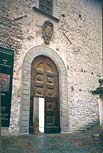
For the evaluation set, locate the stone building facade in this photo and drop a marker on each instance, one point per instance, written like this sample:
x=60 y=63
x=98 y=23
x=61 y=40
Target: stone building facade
x=75 y=48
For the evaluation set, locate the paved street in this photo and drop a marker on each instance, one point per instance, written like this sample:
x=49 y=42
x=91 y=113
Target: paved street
x=52 y=143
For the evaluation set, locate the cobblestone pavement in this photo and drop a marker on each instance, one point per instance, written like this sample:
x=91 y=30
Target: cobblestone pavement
x=52 y=143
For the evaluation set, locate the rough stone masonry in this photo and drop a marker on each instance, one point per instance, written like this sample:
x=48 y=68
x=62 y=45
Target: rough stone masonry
x=77 y=40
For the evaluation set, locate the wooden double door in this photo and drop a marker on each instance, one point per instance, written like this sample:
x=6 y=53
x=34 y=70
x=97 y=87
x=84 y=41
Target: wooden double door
x=45 y=83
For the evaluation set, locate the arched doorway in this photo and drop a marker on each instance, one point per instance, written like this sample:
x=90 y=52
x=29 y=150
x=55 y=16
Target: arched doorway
x=25 y=91
x=45 y=85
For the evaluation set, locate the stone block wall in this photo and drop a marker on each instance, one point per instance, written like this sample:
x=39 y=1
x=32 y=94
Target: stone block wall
x=77 y=39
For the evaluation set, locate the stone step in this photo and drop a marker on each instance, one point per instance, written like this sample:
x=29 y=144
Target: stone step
x=90 y=126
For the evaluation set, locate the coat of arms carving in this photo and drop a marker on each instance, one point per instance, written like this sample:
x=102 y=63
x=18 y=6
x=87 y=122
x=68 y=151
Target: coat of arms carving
x=47 y=31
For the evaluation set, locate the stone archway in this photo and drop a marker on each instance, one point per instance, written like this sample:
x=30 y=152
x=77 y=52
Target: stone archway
x=63 y=89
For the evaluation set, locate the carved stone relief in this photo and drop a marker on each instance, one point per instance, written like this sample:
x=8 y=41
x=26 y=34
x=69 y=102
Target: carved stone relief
x=47 y=31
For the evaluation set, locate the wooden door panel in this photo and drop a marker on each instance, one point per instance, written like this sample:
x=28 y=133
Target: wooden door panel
x=50 y=80
x=39 y=78
x=39 y=91
x=52 y=121
x=44 y=83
